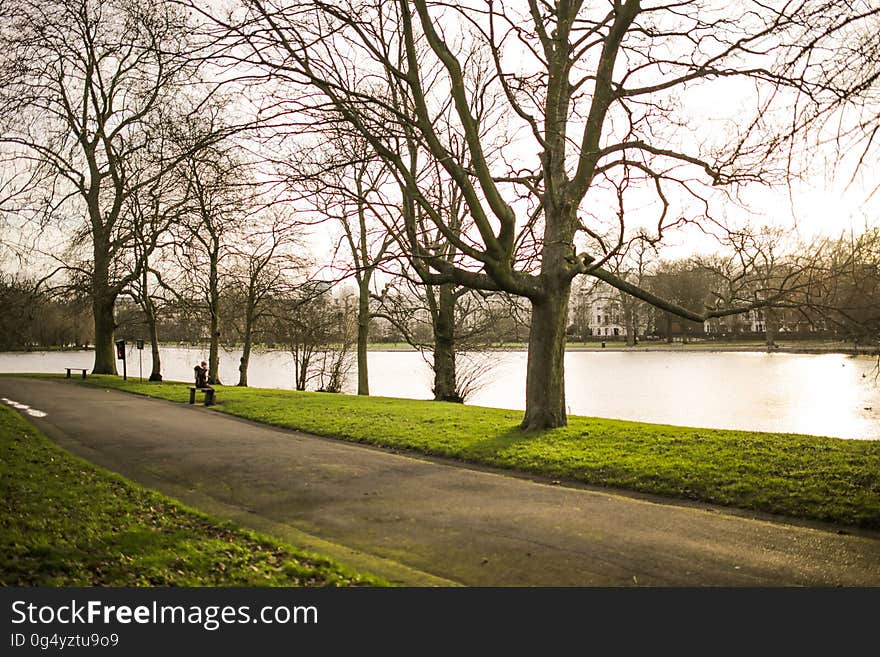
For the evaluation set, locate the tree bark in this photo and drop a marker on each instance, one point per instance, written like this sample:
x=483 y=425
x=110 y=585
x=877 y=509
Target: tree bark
x=103 y=302
x=629 y=315
x=244 y=363
x=445 y=382
x=363 y=334
x=105 y=324
x=214 y=301
x=545 y=378
x=246 y=348
x=149 y=311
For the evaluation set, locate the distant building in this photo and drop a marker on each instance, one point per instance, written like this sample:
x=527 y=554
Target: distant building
x=598 y=310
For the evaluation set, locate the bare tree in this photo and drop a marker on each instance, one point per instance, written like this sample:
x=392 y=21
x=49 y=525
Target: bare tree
x=686 y=285
x=34 y=318
x=759 y=265
x=592 y=94
x=335 y=355
x=221 y=191
x=451 y=326
x=318 y=332
x=262 y=268
x=345 y=182
x=80 y=82
x=153 y=211
x=844 y=288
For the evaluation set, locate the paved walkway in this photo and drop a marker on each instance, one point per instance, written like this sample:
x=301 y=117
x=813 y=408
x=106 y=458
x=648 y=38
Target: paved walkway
x=424 y=522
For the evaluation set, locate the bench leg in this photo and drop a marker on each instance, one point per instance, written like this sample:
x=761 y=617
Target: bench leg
x=192 y=396
x=84 y=374
x=209 y=398
x=68 y=372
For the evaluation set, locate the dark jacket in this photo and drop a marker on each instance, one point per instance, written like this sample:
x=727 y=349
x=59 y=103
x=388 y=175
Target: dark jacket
x=201 y=377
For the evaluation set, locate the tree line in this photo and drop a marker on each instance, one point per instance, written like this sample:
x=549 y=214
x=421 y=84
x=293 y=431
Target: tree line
x=832 y=291
x=836 y=295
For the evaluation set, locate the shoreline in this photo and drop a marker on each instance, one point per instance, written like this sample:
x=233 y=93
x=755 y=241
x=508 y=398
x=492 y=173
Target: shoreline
x=691 y=347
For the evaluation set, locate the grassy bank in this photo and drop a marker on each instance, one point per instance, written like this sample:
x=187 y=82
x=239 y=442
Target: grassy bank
x=800 y=476
x=66 y=522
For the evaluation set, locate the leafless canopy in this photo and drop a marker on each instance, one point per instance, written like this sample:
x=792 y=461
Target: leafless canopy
x=598 y=102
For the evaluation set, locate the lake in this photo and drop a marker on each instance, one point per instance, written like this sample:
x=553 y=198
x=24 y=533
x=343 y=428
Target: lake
x=827 y=394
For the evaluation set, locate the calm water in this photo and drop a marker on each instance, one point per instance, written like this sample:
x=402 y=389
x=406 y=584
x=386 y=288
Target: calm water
x=829 y=394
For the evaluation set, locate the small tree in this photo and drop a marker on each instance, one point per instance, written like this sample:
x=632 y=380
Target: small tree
x=318 y=331
x=346 y=184
x=451 y=326
x=262 y=268
x=844 y=290
x=220 y=190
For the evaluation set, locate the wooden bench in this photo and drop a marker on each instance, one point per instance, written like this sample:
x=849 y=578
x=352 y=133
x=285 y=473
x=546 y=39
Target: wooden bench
x=209 y=395
x=78 y=369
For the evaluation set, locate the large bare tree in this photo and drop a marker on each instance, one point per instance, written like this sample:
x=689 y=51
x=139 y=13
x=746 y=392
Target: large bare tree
x=601 y=111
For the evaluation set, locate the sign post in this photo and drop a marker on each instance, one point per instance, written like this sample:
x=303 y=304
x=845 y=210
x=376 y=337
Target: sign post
x=120 y=355
x=140 y=346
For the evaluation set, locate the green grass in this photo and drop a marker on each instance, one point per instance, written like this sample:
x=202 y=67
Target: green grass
x=66 y=522
x=800 y=476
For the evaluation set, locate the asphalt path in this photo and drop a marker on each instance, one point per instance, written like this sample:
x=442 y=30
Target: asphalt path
x=423 y=522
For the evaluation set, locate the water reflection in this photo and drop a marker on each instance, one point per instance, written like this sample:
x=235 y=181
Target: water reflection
x=830 y=394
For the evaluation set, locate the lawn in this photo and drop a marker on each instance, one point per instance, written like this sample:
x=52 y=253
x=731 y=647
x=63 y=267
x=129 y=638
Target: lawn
x=800 y=476
x=66 y=522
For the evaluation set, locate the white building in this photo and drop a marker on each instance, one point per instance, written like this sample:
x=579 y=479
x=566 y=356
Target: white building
x=596 y=310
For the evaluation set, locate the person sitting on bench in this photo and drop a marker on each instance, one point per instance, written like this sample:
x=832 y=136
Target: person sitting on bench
x=202 y=376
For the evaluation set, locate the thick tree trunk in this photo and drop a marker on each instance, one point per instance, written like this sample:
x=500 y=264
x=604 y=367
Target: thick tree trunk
x=545 y=376
x=363 y=335
x=103 y=303
x=445 y=382
x=105 y=324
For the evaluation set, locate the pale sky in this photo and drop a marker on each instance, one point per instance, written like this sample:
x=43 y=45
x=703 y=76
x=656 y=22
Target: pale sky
x=822 y=205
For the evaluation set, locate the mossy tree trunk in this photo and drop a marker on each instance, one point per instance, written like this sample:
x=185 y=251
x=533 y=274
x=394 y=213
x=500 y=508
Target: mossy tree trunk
x=545 y=374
